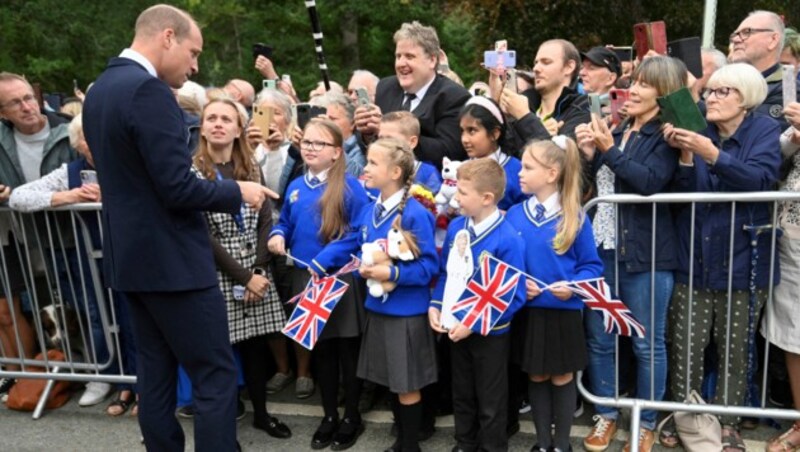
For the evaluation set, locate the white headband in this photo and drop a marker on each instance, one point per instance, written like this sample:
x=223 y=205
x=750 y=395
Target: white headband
x=560 y=141
x=487 y=104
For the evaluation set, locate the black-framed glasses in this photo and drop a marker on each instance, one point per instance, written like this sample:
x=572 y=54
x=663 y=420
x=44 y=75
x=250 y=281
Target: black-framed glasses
x=17 y=103
x=721 y=92
x=315 y=146
x=745 y=33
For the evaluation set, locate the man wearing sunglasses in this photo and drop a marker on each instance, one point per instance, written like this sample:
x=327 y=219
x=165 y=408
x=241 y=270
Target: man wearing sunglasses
x=758 y=41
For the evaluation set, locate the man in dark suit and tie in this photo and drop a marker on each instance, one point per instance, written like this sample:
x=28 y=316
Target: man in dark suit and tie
x=156 y=241
x=416 y=87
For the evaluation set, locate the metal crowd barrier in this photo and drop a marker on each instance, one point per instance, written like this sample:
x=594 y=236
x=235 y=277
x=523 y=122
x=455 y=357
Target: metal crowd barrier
x=637 y=405
x=60 y=256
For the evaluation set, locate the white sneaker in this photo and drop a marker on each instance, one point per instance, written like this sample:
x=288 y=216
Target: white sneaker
x=94 y=393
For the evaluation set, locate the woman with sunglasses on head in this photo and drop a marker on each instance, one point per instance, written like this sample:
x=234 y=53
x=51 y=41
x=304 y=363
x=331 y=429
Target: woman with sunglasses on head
x=739 y=151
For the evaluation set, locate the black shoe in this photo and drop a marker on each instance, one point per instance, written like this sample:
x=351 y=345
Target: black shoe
x=240 y=410
x=323 y=437
x=186 y=412
x=512 y=429
x=274 y=428
x=348 y=434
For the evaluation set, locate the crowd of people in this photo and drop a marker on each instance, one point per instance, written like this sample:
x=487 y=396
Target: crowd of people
x=285 y=202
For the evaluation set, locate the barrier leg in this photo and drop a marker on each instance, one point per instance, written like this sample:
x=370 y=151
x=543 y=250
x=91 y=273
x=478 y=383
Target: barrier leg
x=636 y=413
x=37 y=413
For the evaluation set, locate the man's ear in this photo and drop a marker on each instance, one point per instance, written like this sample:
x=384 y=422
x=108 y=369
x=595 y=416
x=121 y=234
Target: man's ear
x=412 y=141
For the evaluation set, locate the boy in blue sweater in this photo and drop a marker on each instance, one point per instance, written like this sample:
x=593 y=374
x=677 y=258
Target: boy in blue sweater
x=479 y=363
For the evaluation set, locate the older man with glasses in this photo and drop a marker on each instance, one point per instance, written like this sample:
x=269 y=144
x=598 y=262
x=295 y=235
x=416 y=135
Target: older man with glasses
x=31 y=144
x=758 y=41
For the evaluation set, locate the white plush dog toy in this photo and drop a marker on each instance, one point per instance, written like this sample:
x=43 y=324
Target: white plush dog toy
x=446 y=195
x=399 y=245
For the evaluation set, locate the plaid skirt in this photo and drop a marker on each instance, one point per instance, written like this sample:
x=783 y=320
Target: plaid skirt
x=246 y=320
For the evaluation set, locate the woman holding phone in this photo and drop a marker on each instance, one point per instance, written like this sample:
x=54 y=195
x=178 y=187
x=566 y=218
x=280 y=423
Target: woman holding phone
x=739 y=151
x=240 y=251
x=634 y=158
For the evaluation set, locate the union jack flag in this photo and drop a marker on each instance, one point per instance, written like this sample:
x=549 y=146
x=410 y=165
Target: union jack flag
x=617 y=318
x=313 y=310
x=487 y=296
x=350 y=267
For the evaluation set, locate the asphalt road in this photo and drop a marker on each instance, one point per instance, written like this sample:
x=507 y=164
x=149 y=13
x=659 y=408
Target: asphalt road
x=72 y=428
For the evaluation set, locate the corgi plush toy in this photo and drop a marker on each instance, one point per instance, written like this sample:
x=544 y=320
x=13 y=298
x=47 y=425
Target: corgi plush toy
x=399 y=245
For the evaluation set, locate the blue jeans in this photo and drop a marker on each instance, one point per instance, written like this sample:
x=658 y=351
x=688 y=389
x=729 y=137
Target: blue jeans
x=634 y=291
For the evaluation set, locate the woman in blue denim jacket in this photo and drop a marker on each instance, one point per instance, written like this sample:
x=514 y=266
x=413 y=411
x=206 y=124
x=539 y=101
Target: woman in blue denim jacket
x=635 y=158
x=738 y=152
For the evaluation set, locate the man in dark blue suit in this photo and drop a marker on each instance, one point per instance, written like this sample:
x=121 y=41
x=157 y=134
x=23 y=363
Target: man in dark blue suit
x=156 y=241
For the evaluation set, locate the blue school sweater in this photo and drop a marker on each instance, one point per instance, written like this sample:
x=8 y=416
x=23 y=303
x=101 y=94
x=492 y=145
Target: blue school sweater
x=412 y=294
x=500 y=241
x=300 y=222
x=513 y=194
x=541 y=261
x=428 y=176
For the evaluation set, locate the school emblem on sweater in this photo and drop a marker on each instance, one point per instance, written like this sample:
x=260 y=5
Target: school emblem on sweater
x=294 y=196
x=617 y=318
x=487 y=295
x=314 y=309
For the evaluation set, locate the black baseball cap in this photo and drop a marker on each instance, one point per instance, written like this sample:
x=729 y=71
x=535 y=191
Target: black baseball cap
x=604 y=57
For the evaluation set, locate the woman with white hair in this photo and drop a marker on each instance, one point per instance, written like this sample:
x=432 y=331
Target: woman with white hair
x=739 y=151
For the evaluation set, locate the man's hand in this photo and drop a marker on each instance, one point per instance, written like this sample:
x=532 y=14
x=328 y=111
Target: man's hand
x=368 y=120
x=435 y=320
x=516 y=105
x=265 y=67
x=254 y=194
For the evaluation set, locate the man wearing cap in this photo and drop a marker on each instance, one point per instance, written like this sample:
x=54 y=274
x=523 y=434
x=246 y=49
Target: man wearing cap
x=600 y=69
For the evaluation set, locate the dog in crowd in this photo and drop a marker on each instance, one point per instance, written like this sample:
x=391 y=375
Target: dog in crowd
x=61 y=329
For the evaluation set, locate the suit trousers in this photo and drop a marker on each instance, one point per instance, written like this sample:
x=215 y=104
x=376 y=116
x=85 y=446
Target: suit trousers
x=191 y=329
x=480 y=392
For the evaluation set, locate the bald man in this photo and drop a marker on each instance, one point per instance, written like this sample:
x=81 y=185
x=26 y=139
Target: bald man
x=157 y=249
x=241 y=91
x=759 y=41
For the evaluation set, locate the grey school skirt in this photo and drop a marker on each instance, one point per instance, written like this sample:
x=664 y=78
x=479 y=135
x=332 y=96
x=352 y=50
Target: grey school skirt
x=398 y=352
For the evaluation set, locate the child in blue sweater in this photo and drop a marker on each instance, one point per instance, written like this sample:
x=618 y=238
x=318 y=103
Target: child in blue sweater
x=404 y=126
x=559 y=248
x=482 y=134
x=397 y=349
x=479 y=363
x=316 y=223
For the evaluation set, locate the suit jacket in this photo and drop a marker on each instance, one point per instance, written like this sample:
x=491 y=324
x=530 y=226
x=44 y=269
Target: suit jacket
x=437 y=113
x=155 y=236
